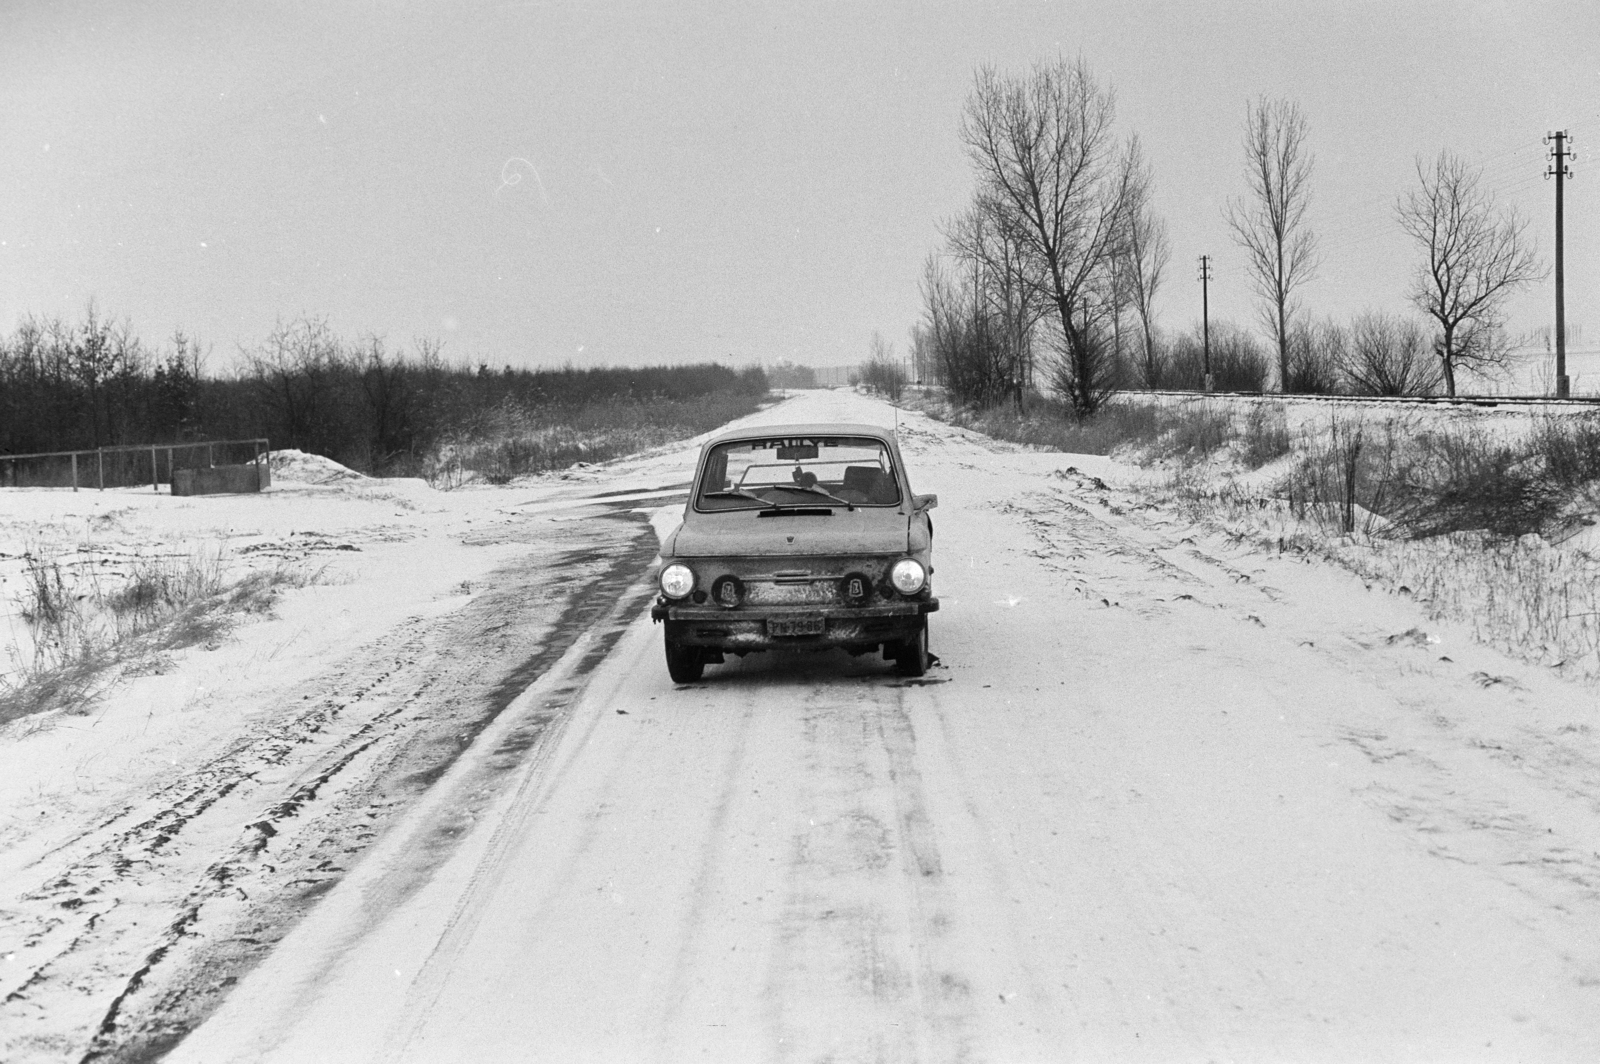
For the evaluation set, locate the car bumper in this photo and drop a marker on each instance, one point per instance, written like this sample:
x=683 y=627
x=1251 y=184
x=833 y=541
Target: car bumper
x=746 y=628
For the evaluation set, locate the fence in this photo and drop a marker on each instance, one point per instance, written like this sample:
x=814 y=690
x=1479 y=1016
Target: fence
x=130 y=466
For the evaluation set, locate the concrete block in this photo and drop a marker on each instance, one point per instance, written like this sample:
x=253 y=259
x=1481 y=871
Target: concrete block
x=220 y=480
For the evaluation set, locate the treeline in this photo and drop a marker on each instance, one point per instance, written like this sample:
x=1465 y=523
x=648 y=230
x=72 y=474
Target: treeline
x=1370 y=354
x=374 y=408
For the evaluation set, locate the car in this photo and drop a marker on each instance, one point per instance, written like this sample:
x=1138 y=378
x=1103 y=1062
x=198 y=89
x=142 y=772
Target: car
x=798 y=537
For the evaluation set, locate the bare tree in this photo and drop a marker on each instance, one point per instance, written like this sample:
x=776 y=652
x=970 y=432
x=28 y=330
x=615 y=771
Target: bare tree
x=960 y=337
x=1477 y=253
x=993 y=265
x=1269 y=223
x=1056 y=181
x=1145 y=253
x=296 y=374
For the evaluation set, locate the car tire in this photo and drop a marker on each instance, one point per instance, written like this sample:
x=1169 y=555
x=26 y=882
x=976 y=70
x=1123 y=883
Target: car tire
x=684 y=663
x=911 y=656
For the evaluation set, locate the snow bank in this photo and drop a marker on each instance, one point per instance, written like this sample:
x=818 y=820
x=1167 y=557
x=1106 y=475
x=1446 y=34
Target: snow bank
x=302 y=468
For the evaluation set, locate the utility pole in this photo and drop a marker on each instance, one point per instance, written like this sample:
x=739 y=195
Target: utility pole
x=1205 y=315
x=1559 y=169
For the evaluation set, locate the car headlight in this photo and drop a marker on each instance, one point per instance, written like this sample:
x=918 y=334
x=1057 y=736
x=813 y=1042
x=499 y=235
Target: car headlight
x=676 y=580
x=908 y=576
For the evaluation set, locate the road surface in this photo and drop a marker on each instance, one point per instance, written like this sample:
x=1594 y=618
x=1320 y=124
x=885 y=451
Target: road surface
x=1165 y=798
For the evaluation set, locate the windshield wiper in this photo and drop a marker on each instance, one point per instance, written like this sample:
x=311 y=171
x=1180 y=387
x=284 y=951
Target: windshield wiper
x=739 y=493
x=773 y=504
x=744 y=493
x=812 y=489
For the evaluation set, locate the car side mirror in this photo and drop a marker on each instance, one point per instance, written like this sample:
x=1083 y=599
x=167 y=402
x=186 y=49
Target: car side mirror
x=920 y=503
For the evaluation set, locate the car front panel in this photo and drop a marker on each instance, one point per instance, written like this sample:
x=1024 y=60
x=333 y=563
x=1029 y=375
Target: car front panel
x=794 y=601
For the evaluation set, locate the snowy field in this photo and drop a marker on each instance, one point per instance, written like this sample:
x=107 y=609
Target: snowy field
x=1170 y=795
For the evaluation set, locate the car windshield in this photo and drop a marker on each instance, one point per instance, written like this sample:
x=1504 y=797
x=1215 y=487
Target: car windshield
x=798 y=471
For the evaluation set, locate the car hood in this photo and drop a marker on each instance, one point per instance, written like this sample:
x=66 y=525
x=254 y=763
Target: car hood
x=742 y=533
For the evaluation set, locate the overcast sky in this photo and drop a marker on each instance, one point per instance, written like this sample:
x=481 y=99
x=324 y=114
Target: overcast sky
x=621 y=183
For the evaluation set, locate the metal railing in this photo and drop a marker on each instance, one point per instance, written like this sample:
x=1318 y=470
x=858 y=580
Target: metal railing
x=125 y=465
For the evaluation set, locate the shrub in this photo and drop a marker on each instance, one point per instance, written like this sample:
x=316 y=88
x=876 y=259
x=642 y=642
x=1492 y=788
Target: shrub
x=1389 y=478
x=1456 y=482
x=1316 y=352
x=1238 y=362
x=1389 y=355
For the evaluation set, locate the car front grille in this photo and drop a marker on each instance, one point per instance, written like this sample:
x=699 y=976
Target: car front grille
x=792 y=593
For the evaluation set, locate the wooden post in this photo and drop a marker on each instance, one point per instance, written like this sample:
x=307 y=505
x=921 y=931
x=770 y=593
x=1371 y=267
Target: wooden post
x=100 y=458
x=74 y=470
x=155 y=471
x=211 y=454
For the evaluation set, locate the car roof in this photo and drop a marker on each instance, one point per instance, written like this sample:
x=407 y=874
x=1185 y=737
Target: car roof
x=806 y=428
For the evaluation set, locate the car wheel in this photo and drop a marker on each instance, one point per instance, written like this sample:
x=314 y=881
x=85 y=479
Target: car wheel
x=684 y=664
x=911 y=656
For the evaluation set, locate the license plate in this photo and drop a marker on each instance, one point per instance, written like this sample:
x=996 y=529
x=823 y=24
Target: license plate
x=783 y=626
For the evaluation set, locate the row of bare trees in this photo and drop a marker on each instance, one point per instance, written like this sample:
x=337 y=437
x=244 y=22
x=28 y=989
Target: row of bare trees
x=1049 y=278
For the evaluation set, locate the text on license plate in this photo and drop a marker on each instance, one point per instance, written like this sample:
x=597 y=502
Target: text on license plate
x=781 y=626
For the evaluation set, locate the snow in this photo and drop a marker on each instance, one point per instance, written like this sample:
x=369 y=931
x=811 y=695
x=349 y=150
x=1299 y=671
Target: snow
x=1170 y=796
x=295 y=465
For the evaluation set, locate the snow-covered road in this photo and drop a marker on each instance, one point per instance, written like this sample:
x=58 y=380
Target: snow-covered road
x=1165 y=798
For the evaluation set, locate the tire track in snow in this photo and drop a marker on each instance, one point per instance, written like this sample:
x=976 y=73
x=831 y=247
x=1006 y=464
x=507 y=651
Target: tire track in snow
x=559 y=690
x=133 y=964
x=1443 y=766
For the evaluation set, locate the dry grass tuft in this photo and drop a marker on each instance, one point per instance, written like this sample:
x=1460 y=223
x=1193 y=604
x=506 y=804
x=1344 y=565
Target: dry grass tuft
x=86 y=636
x=1266 y=435
x=1193 y=432
x=1529 y=599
